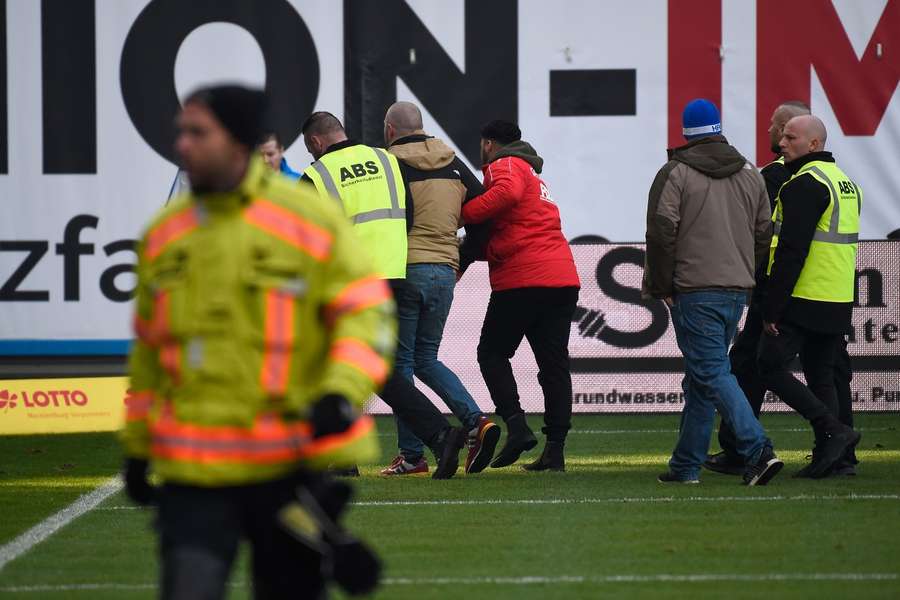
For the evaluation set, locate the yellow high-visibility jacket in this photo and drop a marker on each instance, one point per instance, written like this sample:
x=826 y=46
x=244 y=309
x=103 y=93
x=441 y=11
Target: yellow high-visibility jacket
x=251 y=305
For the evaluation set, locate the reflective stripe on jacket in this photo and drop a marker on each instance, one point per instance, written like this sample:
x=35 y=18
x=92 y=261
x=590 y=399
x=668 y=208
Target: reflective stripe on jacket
x=369 y=186
x=250 y=306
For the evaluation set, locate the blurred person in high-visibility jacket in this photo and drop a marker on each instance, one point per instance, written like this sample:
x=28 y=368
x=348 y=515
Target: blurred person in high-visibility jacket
x=261 y=331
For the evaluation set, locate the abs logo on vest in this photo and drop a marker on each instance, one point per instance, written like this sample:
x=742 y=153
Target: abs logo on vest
x=359 y=170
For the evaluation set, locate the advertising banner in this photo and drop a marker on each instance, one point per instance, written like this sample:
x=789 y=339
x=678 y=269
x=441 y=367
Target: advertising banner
x=624 y=354
x=29 y=406
x=89 y=90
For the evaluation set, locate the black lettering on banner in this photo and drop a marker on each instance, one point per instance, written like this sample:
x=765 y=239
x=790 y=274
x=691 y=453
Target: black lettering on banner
x=597 y=92
x=384 y=40
x=371 y=167
x=69 y=81
x=615 y=290
x=345 y=174
x=874 y=288
x=71 y=249
x=108 y=278
x=148 y=63
x=4 y=119
x=358 y=170
x=10 y=291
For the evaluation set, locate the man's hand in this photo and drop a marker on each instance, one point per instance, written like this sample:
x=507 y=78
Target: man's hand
x=137 y=486
x=770 y=328
x=670 y=301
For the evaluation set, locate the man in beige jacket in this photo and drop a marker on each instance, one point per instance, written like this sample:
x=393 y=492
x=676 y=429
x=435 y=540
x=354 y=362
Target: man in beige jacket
x=439 y=183
x=708 y=226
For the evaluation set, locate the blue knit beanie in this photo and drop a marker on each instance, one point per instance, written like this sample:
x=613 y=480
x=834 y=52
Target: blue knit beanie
x=700 y=118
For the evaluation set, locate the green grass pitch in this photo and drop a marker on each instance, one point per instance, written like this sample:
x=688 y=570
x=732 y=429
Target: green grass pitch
x=605 y=528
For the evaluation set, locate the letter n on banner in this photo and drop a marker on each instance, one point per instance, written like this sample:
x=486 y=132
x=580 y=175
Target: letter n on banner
x=695 y=70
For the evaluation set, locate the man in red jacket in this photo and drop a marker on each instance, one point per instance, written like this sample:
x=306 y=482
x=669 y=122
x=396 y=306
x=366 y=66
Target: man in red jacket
x=534 y=292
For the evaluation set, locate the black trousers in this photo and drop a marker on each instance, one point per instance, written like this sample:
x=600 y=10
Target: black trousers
x=745 y=368
x=818 y=353
x=543 y=316
x=200 y=529
x=408 y=403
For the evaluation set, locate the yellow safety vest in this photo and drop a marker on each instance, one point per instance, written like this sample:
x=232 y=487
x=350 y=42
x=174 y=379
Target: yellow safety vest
x=829 y=272
x=368 y=183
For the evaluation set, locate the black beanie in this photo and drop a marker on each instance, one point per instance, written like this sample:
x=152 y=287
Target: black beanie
x=241 y=110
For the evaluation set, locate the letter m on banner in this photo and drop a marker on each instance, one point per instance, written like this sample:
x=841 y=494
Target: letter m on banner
x=794 y=37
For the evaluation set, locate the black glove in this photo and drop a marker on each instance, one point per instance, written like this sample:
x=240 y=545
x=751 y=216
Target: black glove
x=137 y=486
x=331 y=414
x=355 y=568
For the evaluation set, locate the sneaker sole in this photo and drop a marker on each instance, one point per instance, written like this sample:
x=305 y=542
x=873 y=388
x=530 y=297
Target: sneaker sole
x=522 y=450
x=486 y=452
x=680 y=481
x=772 y=468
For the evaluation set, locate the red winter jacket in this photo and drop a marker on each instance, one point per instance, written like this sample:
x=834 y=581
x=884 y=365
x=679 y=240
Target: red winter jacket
x=526 y=247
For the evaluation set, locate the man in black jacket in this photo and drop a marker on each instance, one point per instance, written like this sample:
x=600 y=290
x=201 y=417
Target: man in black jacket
x=743 y=352
x=807 y=303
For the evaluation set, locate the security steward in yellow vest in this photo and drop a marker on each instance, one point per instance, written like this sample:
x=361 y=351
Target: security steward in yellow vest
x=809 y=296
x=261 y=332
x=368 y=184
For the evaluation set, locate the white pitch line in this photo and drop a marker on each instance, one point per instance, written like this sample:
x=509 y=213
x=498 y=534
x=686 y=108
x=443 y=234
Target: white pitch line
x=620 y=500
x=640 y=431
x=40 y=532
x=529 y=580
x=625 y=500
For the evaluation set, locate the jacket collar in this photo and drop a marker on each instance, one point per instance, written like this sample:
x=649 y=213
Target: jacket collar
x=254 y=180
x=797 y=164
x=415 y=136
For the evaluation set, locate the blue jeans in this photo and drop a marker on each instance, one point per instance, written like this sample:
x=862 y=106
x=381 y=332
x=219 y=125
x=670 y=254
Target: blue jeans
x=422 y=309
x=705 y=323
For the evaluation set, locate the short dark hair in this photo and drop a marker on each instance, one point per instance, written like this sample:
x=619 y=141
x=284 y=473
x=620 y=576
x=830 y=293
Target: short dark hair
x=321 y=122
x=271 y=136
x=504 y=132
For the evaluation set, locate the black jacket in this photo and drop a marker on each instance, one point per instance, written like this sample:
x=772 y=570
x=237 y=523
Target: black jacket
x=803 y=200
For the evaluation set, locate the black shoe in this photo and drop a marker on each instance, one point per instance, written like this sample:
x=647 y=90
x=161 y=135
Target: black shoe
x=670 y=477
x=446 y=452
x=834 y=443
x=764 y=469
x=519 y=439
x=344 y=472
x=724 y=463
x=551 y=459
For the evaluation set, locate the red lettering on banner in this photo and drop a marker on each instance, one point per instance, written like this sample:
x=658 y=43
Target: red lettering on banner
x=793 y=37
x=40 y=399
x=79 y=397
x=695 y=69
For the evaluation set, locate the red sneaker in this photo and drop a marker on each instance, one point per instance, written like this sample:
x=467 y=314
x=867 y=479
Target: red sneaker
x=399 y=466
x=482 y=441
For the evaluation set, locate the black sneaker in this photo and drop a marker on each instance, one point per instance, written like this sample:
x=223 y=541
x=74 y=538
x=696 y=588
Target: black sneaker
x=724 y=463
x=447 y=453
x=764 y=469
x=670 y=477
x=832 y=447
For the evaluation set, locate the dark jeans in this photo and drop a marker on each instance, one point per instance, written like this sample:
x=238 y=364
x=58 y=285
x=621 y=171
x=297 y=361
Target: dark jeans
x=543 y=316
x=411 y=406
x=200 y=529
x=423 y=304
x=745 y=368
x=705 y=322
x=817 y=352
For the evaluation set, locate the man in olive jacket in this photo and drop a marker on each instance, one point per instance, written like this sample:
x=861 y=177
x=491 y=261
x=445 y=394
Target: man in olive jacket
x=708 y=226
